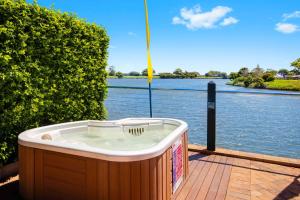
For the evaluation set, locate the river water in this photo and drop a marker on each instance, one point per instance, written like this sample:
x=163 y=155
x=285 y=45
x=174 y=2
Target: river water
x=260 y=123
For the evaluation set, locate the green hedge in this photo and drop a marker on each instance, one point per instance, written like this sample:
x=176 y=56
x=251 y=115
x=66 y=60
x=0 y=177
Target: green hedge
x=52 y=70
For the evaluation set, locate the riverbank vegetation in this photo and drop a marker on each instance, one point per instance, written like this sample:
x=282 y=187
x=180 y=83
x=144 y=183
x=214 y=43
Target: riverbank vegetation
x=177 y=74
x=282 y=79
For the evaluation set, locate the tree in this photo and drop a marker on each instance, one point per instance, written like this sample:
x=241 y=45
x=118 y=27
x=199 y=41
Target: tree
x=212 y=74
x=295 y=71
x=119 y=74
x=283 y=72
x=296 y=64
x=258 y=83
x=216 y=74
x=166 y=75
x=248 y=81
x=191 y=74
x=244 y=71
x=224 y=75
x=233 y=75
x=145 y=72
x=257 y=71
x=272 y=71
x=111 y=71
x=134 y=73
x=268 y=76
x=178 y=71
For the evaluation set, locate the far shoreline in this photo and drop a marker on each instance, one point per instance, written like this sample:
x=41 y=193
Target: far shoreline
x=278 y=84
x=157 y=77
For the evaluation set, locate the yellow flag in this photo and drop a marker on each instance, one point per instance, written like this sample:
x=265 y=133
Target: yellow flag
x=149 y=63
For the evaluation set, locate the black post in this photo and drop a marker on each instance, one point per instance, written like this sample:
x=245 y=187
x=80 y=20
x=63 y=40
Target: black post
x=211 y=116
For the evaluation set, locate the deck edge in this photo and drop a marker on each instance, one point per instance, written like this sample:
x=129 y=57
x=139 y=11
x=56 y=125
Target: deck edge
x=289 y=162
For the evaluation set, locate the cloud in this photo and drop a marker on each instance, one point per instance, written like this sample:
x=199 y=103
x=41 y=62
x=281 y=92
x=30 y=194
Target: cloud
x=177 y=20
x=229 y=21
x=131 y=34
x=195 y=18
x=287 y=16
x=286 y=28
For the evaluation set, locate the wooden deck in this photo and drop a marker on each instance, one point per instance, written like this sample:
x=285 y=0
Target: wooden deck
x=222 y=177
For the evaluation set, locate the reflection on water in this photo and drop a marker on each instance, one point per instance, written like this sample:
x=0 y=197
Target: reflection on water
x=256 y=123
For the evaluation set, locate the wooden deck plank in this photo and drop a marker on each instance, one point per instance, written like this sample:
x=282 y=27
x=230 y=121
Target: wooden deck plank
x=216 y=180
x=208 y=179
x=200 y=178
x=191 y=178
x=192 y=165
x=274 y=182
x=222 y=191
x=239 y=185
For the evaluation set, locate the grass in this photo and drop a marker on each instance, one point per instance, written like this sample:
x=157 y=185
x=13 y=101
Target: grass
x=293 y=85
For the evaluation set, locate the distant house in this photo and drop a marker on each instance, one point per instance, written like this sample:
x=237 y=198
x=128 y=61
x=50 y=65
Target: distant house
x=280 y=76
x=296 y=76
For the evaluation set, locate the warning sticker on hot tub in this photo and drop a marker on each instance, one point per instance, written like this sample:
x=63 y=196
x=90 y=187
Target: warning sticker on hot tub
x=177 y=165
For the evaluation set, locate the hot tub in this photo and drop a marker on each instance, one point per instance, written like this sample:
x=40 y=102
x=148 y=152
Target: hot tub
x=125 y=159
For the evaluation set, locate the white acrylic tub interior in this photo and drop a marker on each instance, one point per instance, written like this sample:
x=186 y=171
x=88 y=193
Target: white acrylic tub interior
x=121 y=140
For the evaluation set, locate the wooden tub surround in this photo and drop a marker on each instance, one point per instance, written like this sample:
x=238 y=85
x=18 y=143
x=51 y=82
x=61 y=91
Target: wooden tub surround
x=54 y=175
x=221 y=177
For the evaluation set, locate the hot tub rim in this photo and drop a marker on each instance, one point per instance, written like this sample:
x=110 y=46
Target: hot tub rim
x=104 y=154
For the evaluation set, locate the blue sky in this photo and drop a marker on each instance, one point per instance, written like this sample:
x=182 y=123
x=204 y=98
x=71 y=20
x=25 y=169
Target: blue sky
x=196 y=35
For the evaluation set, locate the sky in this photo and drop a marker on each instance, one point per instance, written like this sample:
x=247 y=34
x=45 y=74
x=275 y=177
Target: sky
x=195 y=35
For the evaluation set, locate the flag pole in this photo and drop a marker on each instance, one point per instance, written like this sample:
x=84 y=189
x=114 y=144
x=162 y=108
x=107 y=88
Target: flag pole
x=149 y=62
x=150 y=99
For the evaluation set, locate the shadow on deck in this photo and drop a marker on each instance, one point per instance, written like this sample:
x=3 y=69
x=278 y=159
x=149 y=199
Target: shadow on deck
x=9 y=189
